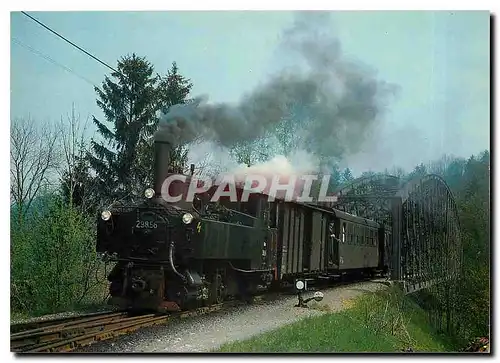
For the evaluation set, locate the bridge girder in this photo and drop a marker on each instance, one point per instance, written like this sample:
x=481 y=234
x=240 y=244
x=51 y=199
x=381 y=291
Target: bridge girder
x=369 y=197
x=430 y=240
x=426 y=247
x=422 y=215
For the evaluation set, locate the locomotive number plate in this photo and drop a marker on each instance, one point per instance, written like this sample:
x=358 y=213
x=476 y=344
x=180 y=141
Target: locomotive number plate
x=146 y=224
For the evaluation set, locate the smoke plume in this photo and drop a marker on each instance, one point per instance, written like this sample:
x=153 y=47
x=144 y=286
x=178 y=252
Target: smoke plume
x=297 y=164
x=340 y=100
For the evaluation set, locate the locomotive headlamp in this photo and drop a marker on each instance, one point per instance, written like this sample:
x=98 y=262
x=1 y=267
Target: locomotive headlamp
x=105 y=215
x=299 y=284
x=187 y=218
x=149 y=193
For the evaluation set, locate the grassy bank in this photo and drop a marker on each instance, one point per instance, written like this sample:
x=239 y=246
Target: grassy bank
x=385 y=321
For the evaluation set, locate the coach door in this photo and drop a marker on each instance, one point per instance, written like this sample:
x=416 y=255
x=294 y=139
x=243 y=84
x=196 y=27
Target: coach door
x=332 y=247
x=271 y=246
x=317 y=243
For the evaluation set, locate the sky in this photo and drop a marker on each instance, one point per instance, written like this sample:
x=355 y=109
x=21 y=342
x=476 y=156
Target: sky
x=439 y=60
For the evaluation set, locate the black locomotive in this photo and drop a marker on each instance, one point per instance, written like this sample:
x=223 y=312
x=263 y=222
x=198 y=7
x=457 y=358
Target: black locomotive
x=173 y=256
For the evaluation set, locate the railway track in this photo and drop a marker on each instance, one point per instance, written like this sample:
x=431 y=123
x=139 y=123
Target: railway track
x=67 y=334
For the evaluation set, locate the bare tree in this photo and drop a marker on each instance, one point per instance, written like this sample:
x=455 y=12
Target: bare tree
x=79 y=192
x=73 y=171
x=254 y=151
x=32 y=160
x=202 y=166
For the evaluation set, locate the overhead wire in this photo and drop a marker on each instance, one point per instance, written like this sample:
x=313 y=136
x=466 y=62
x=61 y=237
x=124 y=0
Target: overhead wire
x=78 y=47
x=70 y=42
x=51 y=60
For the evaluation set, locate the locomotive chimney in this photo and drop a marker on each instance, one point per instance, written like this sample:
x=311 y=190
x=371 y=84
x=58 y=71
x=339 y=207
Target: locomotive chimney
x=192 y=169
x=162 y=151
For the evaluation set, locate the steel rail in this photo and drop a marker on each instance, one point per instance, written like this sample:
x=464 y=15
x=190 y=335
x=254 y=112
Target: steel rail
x=37 y=324
x=50 y=331
x=67 y=334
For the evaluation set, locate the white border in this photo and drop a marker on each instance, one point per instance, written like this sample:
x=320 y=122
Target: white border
x=33 y=5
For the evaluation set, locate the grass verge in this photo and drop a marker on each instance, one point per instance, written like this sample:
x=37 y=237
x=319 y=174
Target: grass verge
x=385 y=321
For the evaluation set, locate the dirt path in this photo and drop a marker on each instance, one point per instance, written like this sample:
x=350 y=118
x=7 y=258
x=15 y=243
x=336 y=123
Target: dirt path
x=205 y=333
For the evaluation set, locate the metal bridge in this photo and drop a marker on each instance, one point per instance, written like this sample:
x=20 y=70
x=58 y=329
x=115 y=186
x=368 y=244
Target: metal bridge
x=426 y=248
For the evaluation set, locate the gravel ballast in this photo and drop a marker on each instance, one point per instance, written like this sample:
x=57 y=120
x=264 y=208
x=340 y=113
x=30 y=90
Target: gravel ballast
x=207 y=332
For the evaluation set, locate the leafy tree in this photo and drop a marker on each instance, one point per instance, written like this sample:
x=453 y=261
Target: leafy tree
x=469 y=181
x=395 y=171
x=347 y=176
x=473 y=202
x=54 y=266
x=333 y=184
x=367 y=174
x=130 y=101
x=419 y=171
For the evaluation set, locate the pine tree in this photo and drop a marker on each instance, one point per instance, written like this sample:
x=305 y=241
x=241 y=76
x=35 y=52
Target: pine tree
x=130 y=101
x=172 y=90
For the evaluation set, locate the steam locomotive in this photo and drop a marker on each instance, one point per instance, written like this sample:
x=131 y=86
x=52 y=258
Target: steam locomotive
x=178 y=256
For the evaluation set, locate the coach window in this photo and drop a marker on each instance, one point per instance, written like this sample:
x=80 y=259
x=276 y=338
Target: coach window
x=343 y=232
x=350 y=233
